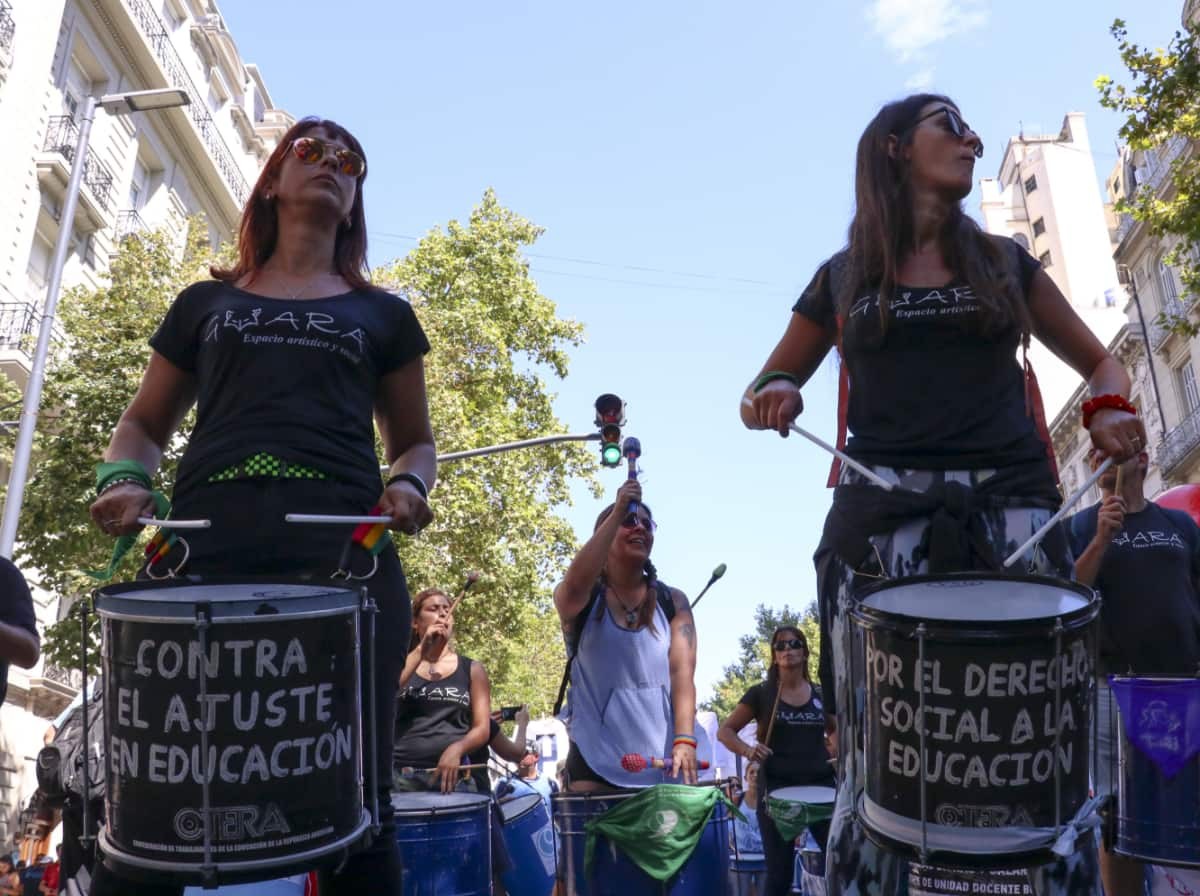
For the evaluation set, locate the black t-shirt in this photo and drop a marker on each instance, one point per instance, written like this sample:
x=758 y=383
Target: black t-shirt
x=935 y=390
x=297 y=379
x=797 y=741
x=16 y=609
x=431 y=715
x=1150 y=615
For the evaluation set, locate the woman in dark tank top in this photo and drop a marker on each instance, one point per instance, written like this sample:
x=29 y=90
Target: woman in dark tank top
x=443 y=705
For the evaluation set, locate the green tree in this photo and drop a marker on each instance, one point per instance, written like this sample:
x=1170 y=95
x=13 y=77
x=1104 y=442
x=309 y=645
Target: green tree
x=1161 y=105
x=495 y=340
x=751 y=666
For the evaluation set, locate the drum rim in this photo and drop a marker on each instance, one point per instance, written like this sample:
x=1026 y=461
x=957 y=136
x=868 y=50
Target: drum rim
x=870 y=617
x=461 y=808
x=123 y=589
x=775 y=793
x=535 y=798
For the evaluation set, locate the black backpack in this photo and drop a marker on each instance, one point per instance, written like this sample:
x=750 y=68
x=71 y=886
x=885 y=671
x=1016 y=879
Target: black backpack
x=60 y=763
x=665 y=601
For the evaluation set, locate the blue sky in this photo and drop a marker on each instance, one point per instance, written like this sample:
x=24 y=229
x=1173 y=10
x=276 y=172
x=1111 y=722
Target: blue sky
x=692 y=164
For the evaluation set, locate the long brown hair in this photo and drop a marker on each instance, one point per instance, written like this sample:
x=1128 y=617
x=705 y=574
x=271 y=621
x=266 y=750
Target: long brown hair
x=773 y=674
x=645 y=617
x=417 y=603
x=882 y=232
x=260 y=218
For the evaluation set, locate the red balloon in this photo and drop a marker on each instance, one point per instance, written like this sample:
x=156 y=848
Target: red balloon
x=1182 y=497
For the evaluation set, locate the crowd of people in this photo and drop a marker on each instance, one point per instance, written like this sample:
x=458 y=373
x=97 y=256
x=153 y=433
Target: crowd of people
x=928 y=315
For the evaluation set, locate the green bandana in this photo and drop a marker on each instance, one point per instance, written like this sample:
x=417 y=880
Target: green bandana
x=791 y=818
x=659 y=828
x=134 y=471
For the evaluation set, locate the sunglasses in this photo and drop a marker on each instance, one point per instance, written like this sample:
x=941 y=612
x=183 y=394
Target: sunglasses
x=311 y=151
x=789 y=644
x=954 y=124
x=633 y=520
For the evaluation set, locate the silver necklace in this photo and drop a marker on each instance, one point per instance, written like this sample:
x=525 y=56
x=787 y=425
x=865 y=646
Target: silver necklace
x=306 y=285
x=631 y=616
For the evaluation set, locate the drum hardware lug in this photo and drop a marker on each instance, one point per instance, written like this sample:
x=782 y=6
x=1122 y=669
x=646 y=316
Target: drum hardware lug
x=921 y=632
x=349 y=576
x=207 y=867
x=371 y=609
x=1058 y=659
x=86 y=838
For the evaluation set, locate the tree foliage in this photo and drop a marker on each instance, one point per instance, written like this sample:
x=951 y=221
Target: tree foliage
x=1161 y=105
x=755 y=658
x=496 y=342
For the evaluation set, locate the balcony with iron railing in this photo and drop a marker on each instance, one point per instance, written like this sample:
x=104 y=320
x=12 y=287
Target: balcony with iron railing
x=1158 y=162
x=61 y=136
x=129 y=223
x=1160 y=331
x=8 y=29
x=19 y=323
x=159 y=40
x=1180 y=443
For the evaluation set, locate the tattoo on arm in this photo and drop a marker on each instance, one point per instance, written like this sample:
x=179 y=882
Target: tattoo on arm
x=689 y=633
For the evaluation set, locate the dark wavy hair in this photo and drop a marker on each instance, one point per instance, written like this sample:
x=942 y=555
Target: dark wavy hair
x=882 y=231
x=773 y=674
x=649 y=575
x=418 y=601
x=260 y=218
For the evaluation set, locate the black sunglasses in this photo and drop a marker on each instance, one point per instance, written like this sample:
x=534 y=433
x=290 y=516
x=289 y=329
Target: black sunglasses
x=789 y=644
x=633 y=520
x=954 y=124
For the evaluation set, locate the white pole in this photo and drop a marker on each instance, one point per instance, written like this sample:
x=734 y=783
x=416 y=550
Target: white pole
x=37 y=374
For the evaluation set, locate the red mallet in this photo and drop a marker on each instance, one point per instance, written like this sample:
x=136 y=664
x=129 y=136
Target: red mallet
x=636 y=762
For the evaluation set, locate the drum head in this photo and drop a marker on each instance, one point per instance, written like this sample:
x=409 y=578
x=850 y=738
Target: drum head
x=517 y=806
x=427 y=802
x=979 y=598
x=226 y=599
x=810 y=796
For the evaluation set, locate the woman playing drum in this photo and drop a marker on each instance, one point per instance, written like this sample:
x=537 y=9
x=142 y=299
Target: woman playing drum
x=633 y=676
x=790 y=745
x=929 y=313
x=443 y=711
x=288 y=355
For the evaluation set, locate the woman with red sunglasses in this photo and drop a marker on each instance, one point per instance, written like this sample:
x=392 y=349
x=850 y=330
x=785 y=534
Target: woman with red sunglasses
x=632 y=643
x=291 y=357
x=929 y=315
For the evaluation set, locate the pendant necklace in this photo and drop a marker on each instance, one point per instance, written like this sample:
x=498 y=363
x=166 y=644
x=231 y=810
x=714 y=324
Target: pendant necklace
x=631 y=616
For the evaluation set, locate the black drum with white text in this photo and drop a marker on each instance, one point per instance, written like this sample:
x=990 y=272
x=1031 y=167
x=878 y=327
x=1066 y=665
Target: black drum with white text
x=979 y=699
x=233 y=727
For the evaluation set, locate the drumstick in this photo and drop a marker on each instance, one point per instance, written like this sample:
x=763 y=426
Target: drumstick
x=1062 y=511
x=774 y=711
x=409 y=770
x=636 y=762
x=840 y=455
x=472 y=578
x=174 y=524
x=335 y=519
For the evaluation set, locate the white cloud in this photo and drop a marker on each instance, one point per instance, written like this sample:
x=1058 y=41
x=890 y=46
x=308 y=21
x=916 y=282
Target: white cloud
x=920 y=81
x=909 y=27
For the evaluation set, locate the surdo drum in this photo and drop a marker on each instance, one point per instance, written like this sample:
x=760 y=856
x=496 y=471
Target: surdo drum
x=979 y=699
x=232 y=727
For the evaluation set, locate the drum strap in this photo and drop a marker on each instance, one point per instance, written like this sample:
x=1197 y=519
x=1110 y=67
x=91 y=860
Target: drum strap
x=372 y=538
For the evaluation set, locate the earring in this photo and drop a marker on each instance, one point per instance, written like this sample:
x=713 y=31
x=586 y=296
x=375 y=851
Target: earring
x=347 y=223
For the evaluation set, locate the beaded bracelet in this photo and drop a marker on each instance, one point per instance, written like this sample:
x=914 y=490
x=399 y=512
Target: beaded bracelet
x=770 y=376
x=1100 y=402
x=113 y=483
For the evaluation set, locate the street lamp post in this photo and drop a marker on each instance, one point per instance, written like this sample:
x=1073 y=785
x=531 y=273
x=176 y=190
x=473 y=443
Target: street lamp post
x=117 y=104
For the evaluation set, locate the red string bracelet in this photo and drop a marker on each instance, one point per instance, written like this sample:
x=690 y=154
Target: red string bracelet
x=1100 y=402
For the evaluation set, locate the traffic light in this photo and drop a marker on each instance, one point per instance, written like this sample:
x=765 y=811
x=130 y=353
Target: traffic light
x=610 y=417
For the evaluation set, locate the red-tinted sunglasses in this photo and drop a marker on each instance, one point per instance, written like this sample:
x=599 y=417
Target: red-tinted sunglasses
x=311 y=151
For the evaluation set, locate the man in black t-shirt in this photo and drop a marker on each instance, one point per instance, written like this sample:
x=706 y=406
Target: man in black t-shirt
x=1145 y=562
x=18 y=626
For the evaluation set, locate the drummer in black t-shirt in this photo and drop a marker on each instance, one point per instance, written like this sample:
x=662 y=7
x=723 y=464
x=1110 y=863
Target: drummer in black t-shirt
x=1145 y=562
x=929 y=314
x=792 y=754
x=443 y=712
x=291 y=357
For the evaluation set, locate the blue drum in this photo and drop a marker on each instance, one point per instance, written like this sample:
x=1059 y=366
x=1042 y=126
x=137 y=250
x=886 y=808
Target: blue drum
x=1158 y=791
x=529 y=836
x=445 y=843
x=705 y=873
x=810 y=868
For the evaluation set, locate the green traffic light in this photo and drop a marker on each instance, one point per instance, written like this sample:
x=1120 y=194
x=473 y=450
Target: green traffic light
x=610 y=455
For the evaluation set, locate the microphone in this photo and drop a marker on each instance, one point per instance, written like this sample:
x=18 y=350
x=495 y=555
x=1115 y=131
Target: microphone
x=716 y=574
x=631 y=450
